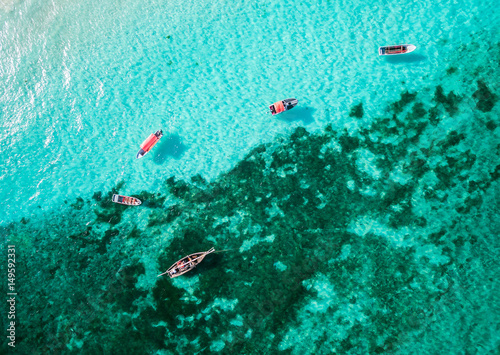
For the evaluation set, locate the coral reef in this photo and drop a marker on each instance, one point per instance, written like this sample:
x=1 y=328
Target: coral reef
x=336 y=242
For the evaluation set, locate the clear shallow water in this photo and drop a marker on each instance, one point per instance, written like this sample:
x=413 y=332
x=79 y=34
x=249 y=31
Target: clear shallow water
x=374 y=232
x=83 y=85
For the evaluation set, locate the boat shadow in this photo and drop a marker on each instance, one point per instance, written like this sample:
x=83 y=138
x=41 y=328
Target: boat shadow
x=210 y=262
x=408 y=58
x=304 y=114
x=169 y=146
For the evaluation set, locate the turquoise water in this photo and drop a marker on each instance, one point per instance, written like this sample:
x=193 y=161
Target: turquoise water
x=84 y=85
x=365 y=220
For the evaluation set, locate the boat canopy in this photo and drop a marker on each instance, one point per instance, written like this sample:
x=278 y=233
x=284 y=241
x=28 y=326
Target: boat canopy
x=149 y=142
x=396 y=49
x=279 y=107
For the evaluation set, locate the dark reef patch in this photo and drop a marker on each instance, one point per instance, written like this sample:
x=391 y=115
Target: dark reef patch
x=406 y=98
x=357 y=242
x=484 y=97
x=78 y=205
x=451 y=70
x=150 y=199
x=357 y=111
x=450 y=102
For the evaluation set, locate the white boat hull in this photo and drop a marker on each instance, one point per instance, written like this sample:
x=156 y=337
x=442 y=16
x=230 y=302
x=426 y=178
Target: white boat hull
x=396 y=49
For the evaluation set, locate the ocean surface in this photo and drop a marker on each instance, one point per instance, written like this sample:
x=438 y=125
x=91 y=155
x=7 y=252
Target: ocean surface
x=365 y=220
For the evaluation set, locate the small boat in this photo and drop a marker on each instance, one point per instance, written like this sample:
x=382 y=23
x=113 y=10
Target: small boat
x=186 y=264
x=126 y=200
x=149 y=143
x=283 y=105
x=397 y=49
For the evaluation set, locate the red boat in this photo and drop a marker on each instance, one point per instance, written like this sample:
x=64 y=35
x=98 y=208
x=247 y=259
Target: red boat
x=149 y=143
x=283 y=105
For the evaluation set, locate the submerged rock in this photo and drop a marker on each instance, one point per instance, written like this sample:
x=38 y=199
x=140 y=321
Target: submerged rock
x=357 y=111
x=484 y=97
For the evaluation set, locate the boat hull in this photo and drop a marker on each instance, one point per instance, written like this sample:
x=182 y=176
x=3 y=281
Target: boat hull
x=149 y=143
x=126 y=200
x=141 y=153
x=396 y=49
x=283 y=105
x=186 y=264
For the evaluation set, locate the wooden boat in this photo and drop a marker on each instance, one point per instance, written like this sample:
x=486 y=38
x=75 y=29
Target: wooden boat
x=126 y=200
x=187 y=263
x=396 y=49
x=283 y=105
x=149 y=143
